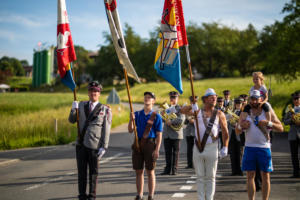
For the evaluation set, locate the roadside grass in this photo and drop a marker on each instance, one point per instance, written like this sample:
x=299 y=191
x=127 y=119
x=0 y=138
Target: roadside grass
x=28 y=119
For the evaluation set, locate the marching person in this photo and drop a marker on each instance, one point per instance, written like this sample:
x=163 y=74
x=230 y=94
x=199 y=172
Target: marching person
x=227 y=102
x=189 y=133
x=95 y=123
x=149 y=130
x=257 y=150
x=220 y=104
x=235 y=148
x=172 y=134
x=294 y=133
x=205 y=156
x=245 y=100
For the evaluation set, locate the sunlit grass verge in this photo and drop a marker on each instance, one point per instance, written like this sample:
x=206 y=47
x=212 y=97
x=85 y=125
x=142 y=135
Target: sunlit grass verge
x=31 y=129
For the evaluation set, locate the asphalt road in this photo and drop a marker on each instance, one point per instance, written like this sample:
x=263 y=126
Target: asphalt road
x=49 y=173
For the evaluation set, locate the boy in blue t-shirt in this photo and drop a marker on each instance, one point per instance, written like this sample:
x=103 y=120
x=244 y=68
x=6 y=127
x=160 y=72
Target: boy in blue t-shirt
x=148 y=152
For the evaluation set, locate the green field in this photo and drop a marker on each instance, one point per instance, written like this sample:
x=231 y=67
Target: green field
x=28 y=119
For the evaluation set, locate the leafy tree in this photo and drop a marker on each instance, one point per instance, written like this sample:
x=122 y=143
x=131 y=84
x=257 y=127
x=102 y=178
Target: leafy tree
x=13 y=65
x=82 y=62
x=280 y=44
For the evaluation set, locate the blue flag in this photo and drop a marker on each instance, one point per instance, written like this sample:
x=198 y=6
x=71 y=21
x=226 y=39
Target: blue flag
x=167 y=59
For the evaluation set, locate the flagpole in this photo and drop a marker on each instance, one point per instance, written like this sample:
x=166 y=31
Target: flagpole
x=193 y=93
x=131 y=110
x=77 y=114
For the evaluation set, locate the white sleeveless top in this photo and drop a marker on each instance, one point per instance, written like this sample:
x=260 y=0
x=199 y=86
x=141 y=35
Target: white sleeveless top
x=254 y=136
x=202 y=128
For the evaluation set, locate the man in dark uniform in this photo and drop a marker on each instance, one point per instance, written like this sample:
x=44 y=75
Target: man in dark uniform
x=227 y=102
x=189 y=133
x=235 y=142
x=149 y=130
x=94 y=123
x=172 y=137
x=220 y=104
x=294 y=133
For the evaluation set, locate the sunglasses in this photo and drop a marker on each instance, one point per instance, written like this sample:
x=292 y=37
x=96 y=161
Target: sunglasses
x=296 y=98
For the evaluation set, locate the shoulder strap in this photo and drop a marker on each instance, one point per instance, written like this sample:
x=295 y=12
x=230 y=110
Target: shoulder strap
x=86 y=109
x=149 y=125
x=208 y=128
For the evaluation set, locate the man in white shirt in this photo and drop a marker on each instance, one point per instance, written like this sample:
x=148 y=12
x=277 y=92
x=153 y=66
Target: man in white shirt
x=205 y=156
x=257 y=144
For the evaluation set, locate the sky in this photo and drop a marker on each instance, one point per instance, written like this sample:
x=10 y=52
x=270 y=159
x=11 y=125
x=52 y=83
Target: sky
x=25 y=23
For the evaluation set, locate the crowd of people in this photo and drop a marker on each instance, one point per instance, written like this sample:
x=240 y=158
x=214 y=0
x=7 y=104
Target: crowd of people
x=241 y=127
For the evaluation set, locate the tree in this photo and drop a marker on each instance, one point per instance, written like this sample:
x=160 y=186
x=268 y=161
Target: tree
x=245 y=57
x=81 y=63
x=280 y=44
x=13 y=65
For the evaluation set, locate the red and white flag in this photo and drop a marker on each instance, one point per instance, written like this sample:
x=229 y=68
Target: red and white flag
x=181 y=32
x=65 y=48
x=118 y=38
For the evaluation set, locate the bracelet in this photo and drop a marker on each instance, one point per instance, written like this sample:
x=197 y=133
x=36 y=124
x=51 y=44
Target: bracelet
x=270 y=124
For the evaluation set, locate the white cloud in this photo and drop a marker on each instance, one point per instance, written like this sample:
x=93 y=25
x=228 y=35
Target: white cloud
x=9 y=35
x=26 y=21
x=21 y=20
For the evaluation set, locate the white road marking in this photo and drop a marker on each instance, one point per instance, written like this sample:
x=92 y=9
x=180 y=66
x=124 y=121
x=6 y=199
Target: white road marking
x=9 y=162
x=186 y=187
x=193 y=177
x=105 y=160
x=190 y=182
x=178 y=195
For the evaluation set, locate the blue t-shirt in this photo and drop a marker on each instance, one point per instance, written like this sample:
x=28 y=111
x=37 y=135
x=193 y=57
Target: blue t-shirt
x=141 y=122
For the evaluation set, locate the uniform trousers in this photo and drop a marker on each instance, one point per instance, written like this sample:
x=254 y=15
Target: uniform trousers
x=235 y=154
x=205 y=164
x=190 y=140
x=171 y=154
x=87 y=159
x=294 y=145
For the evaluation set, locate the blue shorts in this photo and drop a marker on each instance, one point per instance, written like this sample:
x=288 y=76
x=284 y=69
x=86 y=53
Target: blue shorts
x=257 y=157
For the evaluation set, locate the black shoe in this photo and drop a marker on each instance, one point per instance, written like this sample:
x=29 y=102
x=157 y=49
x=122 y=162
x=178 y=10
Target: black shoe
x=189 y=167
x=150 y=198
x=90 y=197
x=174 y=172
x=82 y=197
x=138 y=197
x=295 y=176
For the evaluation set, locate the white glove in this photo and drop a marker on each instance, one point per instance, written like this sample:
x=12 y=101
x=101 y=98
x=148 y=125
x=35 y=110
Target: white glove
x=223 y=152
x=170 y=110
x=75 y=105
x=195 y=107
x=101 y=152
